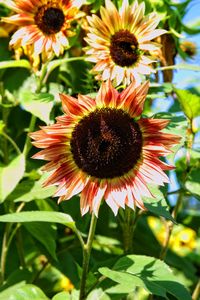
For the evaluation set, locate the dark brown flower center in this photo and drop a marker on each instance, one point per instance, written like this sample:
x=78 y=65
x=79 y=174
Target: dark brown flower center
x=49 y=19
x=124 y=48
x=107 y=143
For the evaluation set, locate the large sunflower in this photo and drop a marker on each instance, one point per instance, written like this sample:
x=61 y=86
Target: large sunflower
x=100 y=148
x=44 y=25
x=120 y=41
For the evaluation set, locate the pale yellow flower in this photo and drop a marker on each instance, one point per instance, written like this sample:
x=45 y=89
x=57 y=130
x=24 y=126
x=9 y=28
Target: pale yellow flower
x=120 y=42
x=44 y=25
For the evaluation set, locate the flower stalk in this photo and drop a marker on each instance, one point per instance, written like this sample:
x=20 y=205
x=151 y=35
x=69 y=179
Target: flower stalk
x=86 y=257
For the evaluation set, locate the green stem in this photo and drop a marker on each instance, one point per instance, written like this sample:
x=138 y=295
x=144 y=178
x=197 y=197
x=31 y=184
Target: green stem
x=27 y=145
x=128 y=222
x=20 y=248
x=86 y=256
x=7 y=239
x=4 y=250
x=170 y=226
x=11 y=141
x=5 y=114
x=127 y=228
x=76 y=231
x=49 y=67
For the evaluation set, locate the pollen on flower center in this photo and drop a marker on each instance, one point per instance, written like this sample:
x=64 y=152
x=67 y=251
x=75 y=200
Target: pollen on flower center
x=107 y=143
x=124 y=48
x=49 y=19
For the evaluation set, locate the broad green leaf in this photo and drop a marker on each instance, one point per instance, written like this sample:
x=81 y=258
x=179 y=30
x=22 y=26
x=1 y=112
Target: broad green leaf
x=62 y=296
x=15 y=64
x=157 y=205
x=40 y=105
x=39 y=216
x=193 y=182
x=45 y=234
x=10 y=175
x=29 y=190
x=154 y=275
x=128 y=282
x=23 y=292
x=190 y=103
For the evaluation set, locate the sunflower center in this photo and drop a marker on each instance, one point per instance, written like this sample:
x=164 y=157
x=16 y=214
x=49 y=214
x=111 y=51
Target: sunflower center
x=124 y=48
x=107 y=143
x=49 y=19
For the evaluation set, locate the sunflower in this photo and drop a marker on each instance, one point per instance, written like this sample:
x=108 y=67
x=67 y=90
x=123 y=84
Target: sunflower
x=101 y=149
x=44 y=25
x=120 y=42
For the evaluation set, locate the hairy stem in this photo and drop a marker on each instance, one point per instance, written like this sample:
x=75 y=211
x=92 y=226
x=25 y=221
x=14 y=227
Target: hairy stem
x=128 y=222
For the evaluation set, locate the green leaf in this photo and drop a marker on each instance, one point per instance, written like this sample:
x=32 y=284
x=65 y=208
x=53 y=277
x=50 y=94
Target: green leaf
x=18 y=276
x=62 y=296
x=40 y=105
x=29 y=190
x=49 y=67
x=154 y=275
x=23 y=63
x=177 y=125
x=193 y=182
x=39 y=216
x=98 y=294
x=74 y=295
x=10 y=175
x=23 y=292
x=157 y=205
x=190 y=103
x=45 y=234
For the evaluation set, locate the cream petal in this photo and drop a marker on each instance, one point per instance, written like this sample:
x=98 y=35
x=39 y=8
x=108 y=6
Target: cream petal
x=113 y=205
x=38 y=46
x=98 y=197
x=130 y=199
x=57 y=47
x=149 y=46
x=76 y=186
x=151 y=35
x=21 y=19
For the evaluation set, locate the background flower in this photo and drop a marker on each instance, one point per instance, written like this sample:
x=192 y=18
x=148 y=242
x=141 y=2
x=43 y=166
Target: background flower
x=120 y=41
x=44 y=25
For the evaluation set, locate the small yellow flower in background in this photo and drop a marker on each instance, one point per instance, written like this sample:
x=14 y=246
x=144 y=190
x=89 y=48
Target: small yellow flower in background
x=183 y=239
x=189 y=47
x=120 y=42
x=158 y=228
x=44 y=25
x=66 y=284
